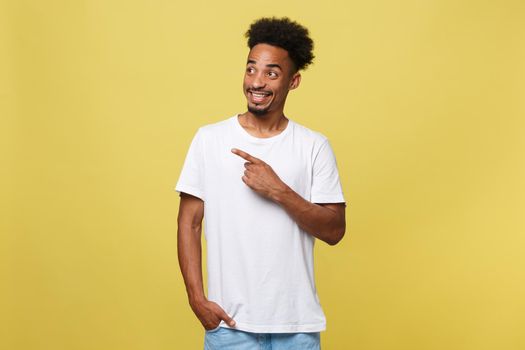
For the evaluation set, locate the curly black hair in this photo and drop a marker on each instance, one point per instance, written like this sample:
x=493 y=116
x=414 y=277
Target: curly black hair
x=286 y=34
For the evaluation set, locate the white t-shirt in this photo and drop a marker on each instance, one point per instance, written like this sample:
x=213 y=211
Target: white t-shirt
x=259 y=262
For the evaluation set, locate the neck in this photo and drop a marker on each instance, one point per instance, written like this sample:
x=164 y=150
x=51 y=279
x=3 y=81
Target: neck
x=271 y=121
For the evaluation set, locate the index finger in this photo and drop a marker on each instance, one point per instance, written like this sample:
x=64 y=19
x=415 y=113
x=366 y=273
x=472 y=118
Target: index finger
x=245 y=155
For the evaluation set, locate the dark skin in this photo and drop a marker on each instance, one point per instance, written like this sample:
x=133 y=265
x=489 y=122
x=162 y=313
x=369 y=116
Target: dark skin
x=270 y=75
x=191 y=213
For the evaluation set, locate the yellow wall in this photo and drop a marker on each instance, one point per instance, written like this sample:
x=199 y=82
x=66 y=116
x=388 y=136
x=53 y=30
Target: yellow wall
x=423 y=102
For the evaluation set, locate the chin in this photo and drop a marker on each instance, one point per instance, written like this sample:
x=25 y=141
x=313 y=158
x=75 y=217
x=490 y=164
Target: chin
x=257 y=112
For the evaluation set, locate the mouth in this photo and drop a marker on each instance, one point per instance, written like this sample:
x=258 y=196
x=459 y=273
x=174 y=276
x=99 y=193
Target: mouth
x=259 y=96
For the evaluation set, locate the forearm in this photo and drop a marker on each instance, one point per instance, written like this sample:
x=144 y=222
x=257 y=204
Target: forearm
x=190 y=261
x=320 y=222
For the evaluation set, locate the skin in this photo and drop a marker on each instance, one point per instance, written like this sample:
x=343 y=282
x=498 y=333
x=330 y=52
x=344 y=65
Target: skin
x=272 y=74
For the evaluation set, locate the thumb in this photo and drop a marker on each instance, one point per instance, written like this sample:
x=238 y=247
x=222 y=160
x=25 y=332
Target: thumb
x=224 y=316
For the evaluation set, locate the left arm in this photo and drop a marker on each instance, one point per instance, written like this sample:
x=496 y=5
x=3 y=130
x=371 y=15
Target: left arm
x=324 y=221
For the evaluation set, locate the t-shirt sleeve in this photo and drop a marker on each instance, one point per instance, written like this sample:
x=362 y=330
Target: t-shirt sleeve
x=191 y=178
x=326 y=186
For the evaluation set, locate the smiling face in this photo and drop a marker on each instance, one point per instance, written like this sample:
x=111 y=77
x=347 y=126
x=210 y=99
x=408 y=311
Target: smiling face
x=269 y=75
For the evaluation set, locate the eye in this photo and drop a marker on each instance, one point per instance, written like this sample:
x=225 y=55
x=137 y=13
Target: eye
x=250 y=70
x=272 y=74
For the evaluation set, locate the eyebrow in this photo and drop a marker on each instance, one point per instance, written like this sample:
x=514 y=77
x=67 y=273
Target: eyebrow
x=270 y=65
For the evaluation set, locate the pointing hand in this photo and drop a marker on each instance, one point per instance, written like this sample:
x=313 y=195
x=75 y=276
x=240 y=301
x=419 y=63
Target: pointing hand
x=259 y=176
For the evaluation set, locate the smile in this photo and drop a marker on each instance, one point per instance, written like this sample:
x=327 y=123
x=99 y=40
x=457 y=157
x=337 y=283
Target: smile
x=259 y=96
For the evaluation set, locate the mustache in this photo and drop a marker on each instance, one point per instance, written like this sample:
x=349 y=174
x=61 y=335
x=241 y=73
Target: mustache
x=259 y=90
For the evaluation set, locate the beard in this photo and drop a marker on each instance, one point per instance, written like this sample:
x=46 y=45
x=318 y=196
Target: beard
x=258 y=112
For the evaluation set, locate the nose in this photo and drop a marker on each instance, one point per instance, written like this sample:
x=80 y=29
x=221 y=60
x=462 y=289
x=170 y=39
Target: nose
x=258 y=81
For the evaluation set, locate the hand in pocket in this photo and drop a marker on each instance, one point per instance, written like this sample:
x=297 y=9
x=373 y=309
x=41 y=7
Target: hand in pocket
x=210 y=314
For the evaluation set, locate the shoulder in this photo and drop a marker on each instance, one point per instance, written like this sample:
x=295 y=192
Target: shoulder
x=316 y=138
x=215 y=128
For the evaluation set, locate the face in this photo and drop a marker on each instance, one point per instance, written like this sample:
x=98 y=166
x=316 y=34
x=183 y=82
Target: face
x=269 y=75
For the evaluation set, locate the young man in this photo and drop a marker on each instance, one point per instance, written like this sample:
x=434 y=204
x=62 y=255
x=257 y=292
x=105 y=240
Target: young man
x=267 y=187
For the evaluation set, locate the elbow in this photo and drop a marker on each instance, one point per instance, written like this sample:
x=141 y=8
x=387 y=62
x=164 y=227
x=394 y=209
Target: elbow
x=337 y=231
x=336 y=237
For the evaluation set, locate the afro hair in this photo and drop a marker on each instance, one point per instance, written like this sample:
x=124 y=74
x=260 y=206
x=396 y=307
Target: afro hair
x=286 y=34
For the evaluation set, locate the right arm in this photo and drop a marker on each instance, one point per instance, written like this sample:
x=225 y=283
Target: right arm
x=191 y=213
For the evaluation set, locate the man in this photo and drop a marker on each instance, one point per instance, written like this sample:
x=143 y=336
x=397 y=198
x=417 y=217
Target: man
x=266 y=187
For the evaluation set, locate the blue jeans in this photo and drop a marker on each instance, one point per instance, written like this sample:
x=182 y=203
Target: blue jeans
x=222 y=338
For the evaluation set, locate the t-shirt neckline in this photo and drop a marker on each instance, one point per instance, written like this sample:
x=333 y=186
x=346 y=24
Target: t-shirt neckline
x=250 y=137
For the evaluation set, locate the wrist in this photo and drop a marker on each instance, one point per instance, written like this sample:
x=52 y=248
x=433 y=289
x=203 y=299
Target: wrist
x=280 y=193
x=197 y=299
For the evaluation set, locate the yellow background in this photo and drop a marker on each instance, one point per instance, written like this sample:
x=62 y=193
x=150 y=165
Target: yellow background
x=424 y=104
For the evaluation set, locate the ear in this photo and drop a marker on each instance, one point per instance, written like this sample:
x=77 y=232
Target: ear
x=296 y=80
